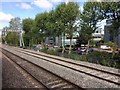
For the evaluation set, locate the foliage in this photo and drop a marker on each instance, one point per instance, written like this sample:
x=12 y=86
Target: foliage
x=41 y=29
x=15 y=23
x=28 y=25
x=113 y=47
x=111 y=11
x=44 y=50
x=12 y=38
x=89 y=19
x=74 y=56
x=51 y=51
x=67 y=15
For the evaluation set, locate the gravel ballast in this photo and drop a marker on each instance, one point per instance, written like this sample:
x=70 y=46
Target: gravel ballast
x=12 y=78
x=78 y=78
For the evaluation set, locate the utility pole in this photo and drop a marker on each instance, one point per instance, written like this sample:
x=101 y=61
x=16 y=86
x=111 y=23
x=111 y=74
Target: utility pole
x=20 y=32
x=21 y=38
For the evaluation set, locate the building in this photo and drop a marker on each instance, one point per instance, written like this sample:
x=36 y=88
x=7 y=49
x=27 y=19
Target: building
x=98 y=35
x=60 y=41
x=107 y=34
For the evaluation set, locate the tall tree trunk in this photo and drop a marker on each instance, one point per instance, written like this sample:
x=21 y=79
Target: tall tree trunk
x=63 y=36
x=70 y=46
x=88 y=45
x=42 y=44
x=59 y=41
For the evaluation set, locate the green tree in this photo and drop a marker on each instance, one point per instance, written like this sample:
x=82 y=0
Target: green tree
x=28 y=25
x=67 y=16
x=89 y=20
x=12 y=38
x=60 y=21
x=111 y=11
x=15 y=23
x=41 y=29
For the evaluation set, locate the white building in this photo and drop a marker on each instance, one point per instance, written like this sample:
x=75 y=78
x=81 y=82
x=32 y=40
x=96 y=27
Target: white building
x=62 y=40
x=98 y=35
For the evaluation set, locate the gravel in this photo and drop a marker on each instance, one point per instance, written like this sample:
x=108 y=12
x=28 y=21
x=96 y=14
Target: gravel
x=51 y=80
x=80 y=79
x=12 y=78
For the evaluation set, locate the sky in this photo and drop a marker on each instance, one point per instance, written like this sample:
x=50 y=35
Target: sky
x=26 y=9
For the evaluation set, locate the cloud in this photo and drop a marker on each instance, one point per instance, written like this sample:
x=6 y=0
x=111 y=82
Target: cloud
x=44 y=4
x=5 y=17
x=56 y=1
x=24 y=5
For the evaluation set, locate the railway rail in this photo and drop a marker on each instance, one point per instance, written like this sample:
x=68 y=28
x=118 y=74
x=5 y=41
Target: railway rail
x=48 y=79
x=29 y=77
x=101 y=74
x=104 y=75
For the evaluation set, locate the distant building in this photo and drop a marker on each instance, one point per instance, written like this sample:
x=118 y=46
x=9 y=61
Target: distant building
x=107 y=34
x=5 y=31
x=98 y=35
x=62 y=40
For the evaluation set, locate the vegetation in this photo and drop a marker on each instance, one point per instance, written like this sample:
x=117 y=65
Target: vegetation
x=113 y=47
x=102 y=58
x=67 y=19
x=12 y=38
x=28 y=25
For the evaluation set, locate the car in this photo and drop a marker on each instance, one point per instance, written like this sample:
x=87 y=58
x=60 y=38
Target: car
x=90 y=50
x=105 y=47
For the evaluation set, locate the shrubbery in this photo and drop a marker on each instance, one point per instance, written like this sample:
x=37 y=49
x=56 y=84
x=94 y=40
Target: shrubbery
x=44 y=50
x=102 y=58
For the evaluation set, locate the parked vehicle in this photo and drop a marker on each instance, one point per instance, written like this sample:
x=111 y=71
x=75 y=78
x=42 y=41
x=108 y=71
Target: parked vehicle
x=83 y=49
x=104 y=47
x=90 y=50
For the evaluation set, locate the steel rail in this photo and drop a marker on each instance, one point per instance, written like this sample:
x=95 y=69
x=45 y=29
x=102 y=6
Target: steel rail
x=43 y=69
x=46 y=87
x=108 y=80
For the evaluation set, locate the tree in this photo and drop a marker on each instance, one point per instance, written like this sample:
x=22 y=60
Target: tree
x=16 y=26
x=40 y=22
x=12 y=38
x=67 y=17
x=60 y=22
x=15 y=23
x=28 y=25
x=111 y=11
x=89 y=19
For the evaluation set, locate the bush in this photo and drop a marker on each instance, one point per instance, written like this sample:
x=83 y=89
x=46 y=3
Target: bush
x=51 y=51
x=74 y=56
x=102 y=58
x=44 y=50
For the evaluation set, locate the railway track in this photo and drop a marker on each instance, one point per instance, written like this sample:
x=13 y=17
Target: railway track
x=108 y=76
x=35 y=82
x=94 y=72
x=48 y=79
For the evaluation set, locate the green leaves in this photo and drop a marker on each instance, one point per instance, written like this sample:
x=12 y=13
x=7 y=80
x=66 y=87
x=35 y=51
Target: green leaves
x=12 y=38
x=27 y=24
x=15 y=23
